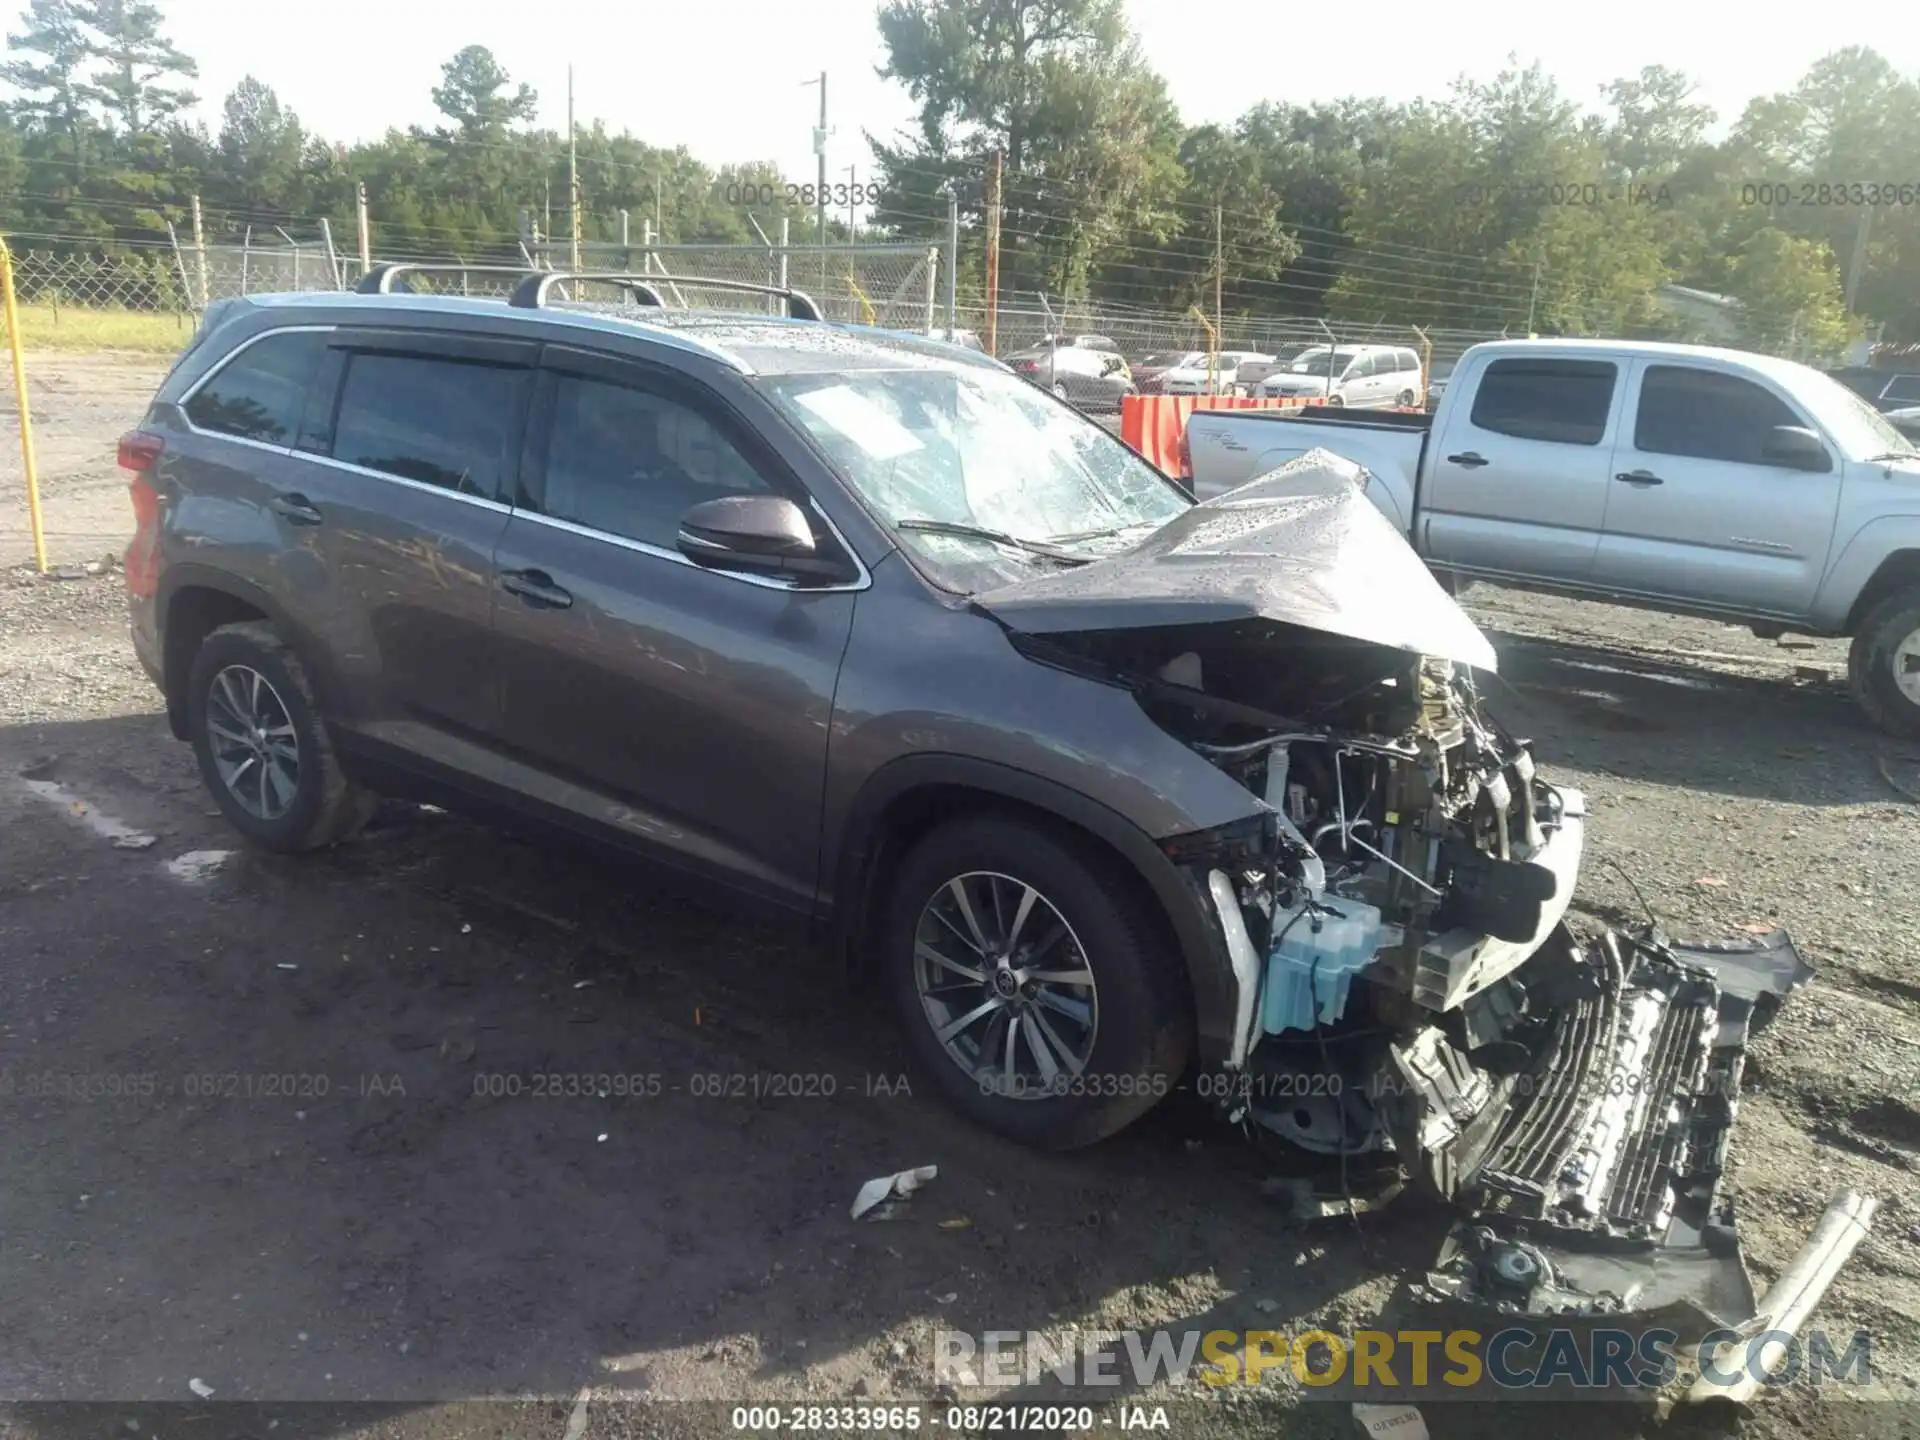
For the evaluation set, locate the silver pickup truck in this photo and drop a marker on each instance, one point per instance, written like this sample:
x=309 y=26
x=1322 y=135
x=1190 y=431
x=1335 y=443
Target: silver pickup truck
x=1677 y=477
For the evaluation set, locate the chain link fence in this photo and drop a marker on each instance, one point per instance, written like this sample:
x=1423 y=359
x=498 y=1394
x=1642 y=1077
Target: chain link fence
x=99 y=331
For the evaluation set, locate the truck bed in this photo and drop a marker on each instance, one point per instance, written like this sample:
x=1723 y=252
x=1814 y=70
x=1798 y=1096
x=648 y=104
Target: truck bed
x=1230 y=447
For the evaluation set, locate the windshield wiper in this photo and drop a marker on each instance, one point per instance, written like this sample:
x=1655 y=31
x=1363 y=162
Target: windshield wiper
x=1891 y=455
x=995 y=537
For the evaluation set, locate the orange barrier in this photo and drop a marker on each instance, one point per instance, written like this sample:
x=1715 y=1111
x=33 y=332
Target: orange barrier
x=1156 y=425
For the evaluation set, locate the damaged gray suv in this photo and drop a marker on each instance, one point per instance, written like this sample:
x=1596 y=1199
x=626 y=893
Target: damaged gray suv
x=1104 y=788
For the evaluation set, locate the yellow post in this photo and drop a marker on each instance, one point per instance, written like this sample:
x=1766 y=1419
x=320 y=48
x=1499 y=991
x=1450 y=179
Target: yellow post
x=1426 y=363
x=12 y=308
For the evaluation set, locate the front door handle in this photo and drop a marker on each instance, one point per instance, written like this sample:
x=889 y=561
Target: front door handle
x=536 y=588
x=1639 y=477
x=1470 y=459
x=296 y=509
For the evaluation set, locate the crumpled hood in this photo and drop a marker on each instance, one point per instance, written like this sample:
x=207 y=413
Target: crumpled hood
x=1301 y=545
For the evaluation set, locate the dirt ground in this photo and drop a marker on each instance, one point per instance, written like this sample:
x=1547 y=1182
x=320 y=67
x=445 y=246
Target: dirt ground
x=257 y=1130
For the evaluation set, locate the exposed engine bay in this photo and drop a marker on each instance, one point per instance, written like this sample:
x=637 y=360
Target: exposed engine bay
x=1406 y=986
x=1412 y=992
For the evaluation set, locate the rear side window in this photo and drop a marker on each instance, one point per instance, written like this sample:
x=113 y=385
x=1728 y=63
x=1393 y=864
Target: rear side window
x=261 y=391
x=1905 y=389
x=448 y=423
x=1706 y=415
x=1562 y=401
x=631 y=462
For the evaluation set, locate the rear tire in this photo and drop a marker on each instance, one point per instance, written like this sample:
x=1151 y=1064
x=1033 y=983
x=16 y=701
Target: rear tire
x=1404 y=399
x=1116 y=1042
x=1883 y=665
x=263 y=749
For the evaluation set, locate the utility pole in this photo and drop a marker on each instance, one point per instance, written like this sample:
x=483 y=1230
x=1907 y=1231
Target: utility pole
x=573 y=178
x=363 y=226
x=993 y=257
x=200 y=245
x=1857 y=266
x=1533 y=300
x=658 y=230
x=820 y=154
x=953 y=259
x=852 y=170
x=1219 y=277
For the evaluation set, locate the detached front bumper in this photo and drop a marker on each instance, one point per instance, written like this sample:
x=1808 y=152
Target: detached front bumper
x=1596 y=1190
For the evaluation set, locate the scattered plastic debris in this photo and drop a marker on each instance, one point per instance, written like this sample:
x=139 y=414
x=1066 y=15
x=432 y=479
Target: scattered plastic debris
x=200 y=1388
x=1402 y=1422
x=197 y=866
x=123 y=835
x=1712 y=880
x=601 y=1138
x=465 y=928
x=135 y=842
x=897 y=1186
x=286 y=965
x=577 y=1420
x=958 y=1222
x=948 y=1298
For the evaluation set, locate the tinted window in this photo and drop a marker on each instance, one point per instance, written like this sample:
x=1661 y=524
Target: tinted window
x=260 y=392
x=1409 y=360
x=1365 y=365
x=1565 y=401
x=1905 y=389
x=632 y=462
x=1706 y=415
x=442 y=422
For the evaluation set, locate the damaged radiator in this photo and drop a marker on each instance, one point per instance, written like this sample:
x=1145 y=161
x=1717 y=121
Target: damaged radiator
x=1618 y=1114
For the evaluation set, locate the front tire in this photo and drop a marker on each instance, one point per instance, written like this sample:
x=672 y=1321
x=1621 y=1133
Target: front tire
x=1404 y=399
x=263 y=750
x=1034 y=986
x=1883 y=665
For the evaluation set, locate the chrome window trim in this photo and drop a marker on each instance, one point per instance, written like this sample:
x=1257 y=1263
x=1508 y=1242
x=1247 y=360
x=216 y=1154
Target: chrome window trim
x=484 y=502
x=765 y=582
x=232 y=355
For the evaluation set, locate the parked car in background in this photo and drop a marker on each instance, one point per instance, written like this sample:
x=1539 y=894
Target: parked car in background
x=1193 y=376
x=1248 y=375
x=1437 y=377
x=1678 y=477
x=1084 y=370
x=1362 y=376
x=1152 y=369
x=1906 y=421
x=1883 y=389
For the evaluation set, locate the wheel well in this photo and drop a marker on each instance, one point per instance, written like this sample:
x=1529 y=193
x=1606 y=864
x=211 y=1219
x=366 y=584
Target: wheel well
x=1897 y=572
x=193 y=613
x=911 y=815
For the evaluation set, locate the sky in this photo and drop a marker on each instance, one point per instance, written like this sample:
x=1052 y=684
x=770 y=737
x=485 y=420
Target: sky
x=726 y=78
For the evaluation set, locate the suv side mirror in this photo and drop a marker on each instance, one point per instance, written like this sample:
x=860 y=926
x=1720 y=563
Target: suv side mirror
x=757 y=534
x=1796 y=448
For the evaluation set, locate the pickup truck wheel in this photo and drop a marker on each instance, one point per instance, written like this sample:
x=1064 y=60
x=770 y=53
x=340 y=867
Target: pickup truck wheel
x=263 y=750
x=1404 y=399
x=1883 y=667
x=1032 y=983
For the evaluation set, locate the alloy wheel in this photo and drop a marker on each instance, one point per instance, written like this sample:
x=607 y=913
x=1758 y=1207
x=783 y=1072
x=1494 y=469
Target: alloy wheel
x=1005 y=985
x=255 y=747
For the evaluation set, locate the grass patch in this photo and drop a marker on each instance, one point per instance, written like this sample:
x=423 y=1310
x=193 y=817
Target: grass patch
x=79 y=327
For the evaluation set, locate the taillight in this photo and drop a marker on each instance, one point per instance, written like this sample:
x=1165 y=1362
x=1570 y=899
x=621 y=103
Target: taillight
x=139 y=454
x=1186 y=457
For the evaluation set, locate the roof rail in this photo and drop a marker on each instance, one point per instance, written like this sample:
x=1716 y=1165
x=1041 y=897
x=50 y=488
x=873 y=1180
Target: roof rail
x=380 y=279
x=531 y=293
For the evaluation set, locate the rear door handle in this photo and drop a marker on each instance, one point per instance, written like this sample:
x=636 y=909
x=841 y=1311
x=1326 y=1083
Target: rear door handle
x=296 y=509
x=1639 y=477
x=1470 y=459
x=536 y=588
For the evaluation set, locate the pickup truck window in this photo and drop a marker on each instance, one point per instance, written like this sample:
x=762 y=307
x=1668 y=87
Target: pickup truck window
x=1562 y=401
x=1903 y=388
x=1707 y=415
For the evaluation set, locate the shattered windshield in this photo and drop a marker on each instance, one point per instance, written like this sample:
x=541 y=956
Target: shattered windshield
x=983 y=477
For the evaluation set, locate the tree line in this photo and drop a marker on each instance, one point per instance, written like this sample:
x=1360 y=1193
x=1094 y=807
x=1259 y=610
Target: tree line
x=1509 y=203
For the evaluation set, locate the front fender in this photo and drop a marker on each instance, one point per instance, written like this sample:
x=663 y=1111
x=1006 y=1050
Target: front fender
x=1179 y=892
x=1856 y=559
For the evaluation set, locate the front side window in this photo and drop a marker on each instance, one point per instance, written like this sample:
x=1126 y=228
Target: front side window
x=1903 y=388
x=940 y=449
x=631 y=462
x=1707 y=415
x=1561 y=401
x=260 y=393
x=447 y=423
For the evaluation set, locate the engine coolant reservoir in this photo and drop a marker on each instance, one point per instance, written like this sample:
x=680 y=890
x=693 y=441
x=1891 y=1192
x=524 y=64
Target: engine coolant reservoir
x=1310 y=971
